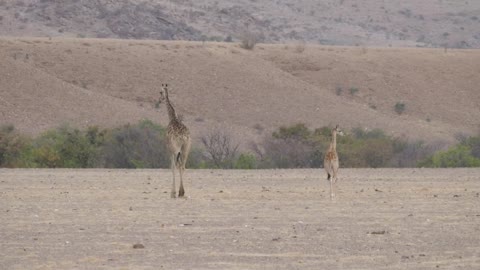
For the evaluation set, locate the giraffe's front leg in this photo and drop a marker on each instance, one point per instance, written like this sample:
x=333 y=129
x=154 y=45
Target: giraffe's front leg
x=181 y=192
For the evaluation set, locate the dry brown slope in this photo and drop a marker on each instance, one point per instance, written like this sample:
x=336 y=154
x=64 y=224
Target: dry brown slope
x=107 y=82
x=35 y=100
x=435 y=86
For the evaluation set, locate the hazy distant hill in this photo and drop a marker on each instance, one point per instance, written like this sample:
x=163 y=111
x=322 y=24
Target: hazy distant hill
x=430 y=23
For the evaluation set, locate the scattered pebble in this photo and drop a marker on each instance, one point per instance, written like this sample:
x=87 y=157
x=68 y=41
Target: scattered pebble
x=138 y=246
x=378 y=232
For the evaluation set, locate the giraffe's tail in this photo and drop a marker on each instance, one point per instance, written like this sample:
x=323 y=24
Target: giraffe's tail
x=328 y=176
x=179 y=159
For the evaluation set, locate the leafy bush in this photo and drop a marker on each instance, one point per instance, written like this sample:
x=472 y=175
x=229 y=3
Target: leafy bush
x=459 y=156
x=353 y=90
x=299 y=132
x=465 y=154
x=474 y=144
x=66 y=147
x=399 y=107
x=136 y=146
x=338 y=90
x=246 y=161
x=13 y=147
x=290 y=147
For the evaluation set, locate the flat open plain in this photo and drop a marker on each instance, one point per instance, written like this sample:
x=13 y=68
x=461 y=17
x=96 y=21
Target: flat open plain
x=265 y=219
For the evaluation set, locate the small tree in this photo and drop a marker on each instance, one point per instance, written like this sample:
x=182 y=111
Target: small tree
x=290 y=147
x=220 y=149
x=248 y=41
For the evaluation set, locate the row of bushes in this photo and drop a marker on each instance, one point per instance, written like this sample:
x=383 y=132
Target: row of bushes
x=130 y=146
x=464 y=154
x=143 y=146
x=298 y=146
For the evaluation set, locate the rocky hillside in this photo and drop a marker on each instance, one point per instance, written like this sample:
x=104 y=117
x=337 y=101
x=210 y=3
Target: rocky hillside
x=426 y=23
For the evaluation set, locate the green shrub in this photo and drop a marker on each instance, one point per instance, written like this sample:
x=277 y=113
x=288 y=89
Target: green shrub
x=246 y=161
x=474 y=144
x=462 y=155
x=299 y=132
x=65 y=147
x=289 y=147
x=136 y=146
x=338 y=90
x=353 y=90
x=363 y=134
x=399 y=107
x=13 y=147
x=459 y=156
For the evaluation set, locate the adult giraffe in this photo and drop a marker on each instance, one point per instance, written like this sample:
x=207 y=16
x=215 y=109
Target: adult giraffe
x=178 y=141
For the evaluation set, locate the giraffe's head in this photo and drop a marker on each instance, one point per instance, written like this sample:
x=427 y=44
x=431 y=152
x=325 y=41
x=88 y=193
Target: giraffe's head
x=338 y=131
x=163 y=93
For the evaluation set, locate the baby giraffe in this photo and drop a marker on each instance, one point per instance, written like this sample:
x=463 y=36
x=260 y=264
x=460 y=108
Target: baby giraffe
x=330 y=163
x=178 y=140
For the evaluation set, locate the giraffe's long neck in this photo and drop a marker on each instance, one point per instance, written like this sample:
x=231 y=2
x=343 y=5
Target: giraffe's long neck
x=333 y=144
x=171 y=111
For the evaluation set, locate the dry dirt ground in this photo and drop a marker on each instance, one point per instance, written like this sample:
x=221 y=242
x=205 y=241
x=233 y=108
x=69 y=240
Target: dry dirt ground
x=265 y=219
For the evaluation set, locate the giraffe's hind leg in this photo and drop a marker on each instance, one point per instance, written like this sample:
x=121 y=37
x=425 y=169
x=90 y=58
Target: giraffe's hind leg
x=332 y=189
x=181 y=191
x=174 y=191
x=182 y=161
x=178 y=163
